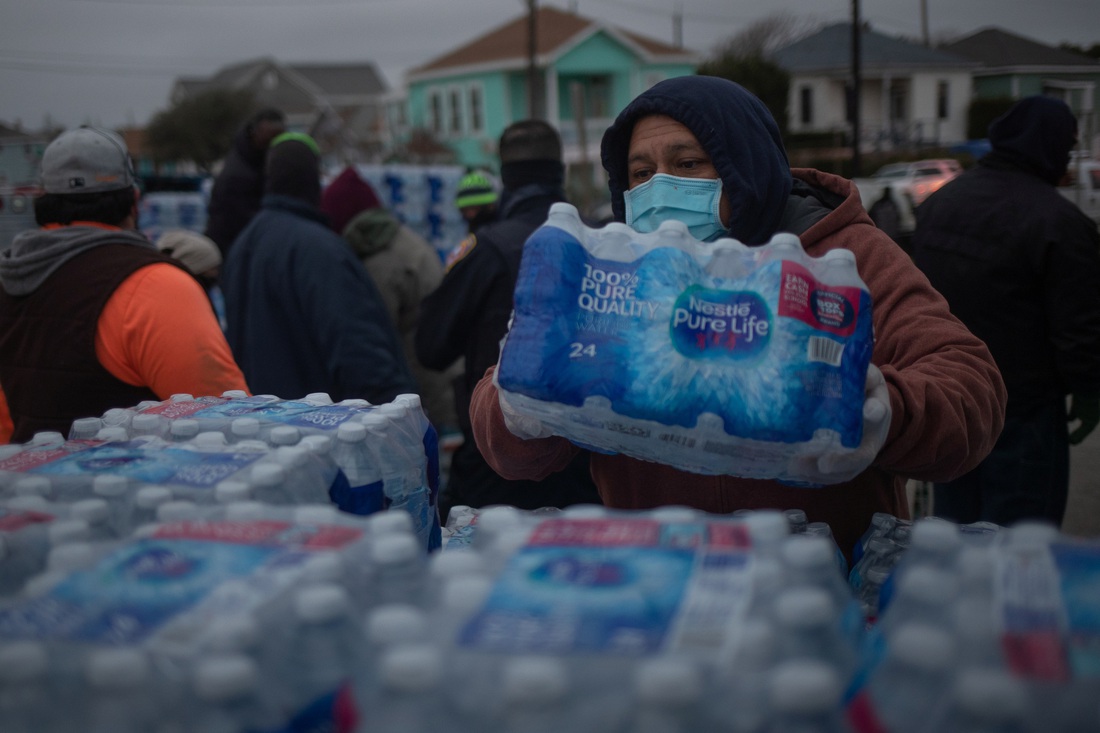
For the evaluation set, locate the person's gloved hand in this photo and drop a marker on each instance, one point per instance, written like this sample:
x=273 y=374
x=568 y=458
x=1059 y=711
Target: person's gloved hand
x=843 y=464
x=1085 y=408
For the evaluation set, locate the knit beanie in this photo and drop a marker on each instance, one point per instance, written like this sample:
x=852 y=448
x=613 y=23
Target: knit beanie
x=475 y=189
x=294 y=168
x=347 y=196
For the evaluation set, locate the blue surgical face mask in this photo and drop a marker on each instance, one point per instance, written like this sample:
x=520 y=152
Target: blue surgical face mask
x=693 y=201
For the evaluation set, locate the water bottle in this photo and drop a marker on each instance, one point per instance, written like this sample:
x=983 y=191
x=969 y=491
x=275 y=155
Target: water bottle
x=97 y=513
x=535 y=692
x=811 y=561
x=668 y=693
x=183 y=430
x=85 y=428
x=384 y=627
x=26 y=700
x=805 y=696
x=121 y=692
x=115 y=490
x=925 y=593
x=399 y=564
x=244 y=428
x=323 y=650
x=985 y=700
x=808 y=628
x=269 y=484
x=364 y=492
x=410 y=697
x=913 y=678
x=797 y=520
x=229 y=698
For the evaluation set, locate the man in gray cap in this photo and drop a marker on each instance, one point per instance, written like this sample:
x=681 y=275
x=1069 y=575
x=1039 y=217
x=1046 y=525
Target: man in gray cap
x=92 y=316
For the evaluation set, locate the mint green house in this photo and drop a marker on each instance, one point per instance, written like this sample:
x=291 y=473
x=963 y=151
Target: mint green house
x=586 y=73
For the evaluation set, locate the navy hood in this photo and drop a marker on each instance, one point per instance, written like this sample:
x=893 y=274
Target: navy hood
x=1036 y=135
x=738 y=133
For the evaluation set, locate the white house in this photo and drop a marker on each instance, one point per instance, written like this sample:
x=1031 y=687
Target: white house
x=910 y=95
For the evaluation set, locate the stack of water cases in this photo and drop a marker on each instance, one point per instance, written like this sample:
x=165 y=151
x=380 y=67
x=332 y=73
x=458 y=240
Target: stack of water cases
x=984 y=629
x=715 y=357
x=243 y=617
x=422 y=198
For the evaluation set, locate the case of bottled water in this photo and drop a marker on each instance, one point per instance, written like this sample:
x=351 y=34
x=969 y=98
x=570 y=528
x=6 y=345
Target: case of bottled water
x=716 y=358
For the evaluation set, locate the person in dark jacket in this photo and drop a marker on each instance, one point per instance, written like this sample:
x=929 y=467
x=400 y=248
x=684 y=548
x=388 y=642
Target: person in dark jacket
x=467 y=316
x=238 y=188
x=1019 y=265
x=303 y=315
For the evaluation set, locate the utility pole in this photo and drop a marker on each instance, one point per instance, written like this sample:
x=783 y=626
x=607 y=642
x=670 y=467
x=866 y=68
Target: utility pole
x=857 y=81
x=678 y=25
x=534 y=105
x=924 y=23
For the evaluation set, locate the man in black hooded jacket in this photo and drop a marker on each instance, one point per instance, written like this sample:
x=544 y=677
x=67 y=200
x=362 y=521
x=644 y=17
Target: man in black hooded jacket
x=238 y=188
x=1020 y=266
x=468 y=314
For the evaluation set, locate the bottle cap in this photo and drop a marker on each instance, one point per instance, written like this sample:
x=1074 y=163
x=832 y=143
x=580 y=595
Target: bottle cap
x=934 y=535
x=443 y=565
x=92 y=511
x=268 y=474
x=211 y=440
x=534 y=680
x=804 y=686
x=411 y=668
x=351 y=432
x=808 y=553
x=229 y=490
x=145 y=424
x=316 y=514
x=117 y=669
x=23 y=661
x=111 y=485
x=233 y=633
x=246 y=510
x=245 y=427
x=390 y=522
x=318 y=444
x=284 y=435
x=32 y=486
x=184 y=428
x=990 y=694
x=234 y=394
x=804 y=608
x=64 y=531
x=395 y=549
x=324 y=567
x=396 y=623
x=47 y=437
x=177 y=511
x=112 y=434
x=463 y=596
x=321 y=602
x=924 y=647
x=669 y=681
x=226 y=678
x=318 y=398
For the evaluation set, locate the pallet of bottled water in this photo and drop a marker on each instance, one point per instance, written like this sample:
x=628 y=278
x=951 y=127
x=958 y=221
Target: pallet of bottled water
x=978 y=628
x=241 y=617
x=363 y=457
x=717 y=358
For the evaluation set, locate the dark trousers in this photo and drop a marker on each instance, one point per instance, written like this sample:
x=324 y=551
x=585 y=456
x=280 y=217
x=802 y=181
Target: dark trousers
x=1025 y=477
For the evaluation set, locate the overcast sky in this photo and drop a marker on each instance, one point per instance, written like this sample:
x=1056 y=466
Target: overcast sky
x=112 y=62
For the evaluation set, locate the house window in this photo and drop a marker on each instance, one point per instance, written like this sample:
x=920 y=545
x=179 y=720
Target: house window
x=455 y=108
x=806 y=105
x=599 y=97
x=942 y=107
x=435 y=109
x=476 y=119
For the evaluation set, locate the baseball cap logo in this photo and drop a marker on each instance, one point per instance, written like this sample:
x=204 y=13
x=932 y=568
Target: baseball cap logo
x=76 y=183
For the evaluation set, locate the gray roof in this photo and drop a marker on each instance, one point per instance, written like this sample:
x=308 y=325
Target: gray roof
x=831 y=48
x=993 y=47
x=343 y=79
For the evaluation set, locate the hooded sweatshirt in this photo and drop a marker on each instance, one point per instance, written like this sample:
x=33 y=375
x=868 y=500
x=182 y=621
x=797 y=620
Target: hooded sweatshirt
x=946 y=396
x=155 y=330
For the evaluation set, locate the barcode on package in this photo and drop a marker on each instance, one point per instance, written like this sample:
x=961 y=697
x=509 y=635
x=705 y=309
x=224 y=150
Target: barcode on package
x=824 y=350
x=680 y=440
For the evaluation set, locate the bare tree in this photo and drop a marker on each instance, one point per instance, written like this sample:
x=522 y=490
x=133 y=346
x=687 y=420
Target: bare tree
x=761 y=38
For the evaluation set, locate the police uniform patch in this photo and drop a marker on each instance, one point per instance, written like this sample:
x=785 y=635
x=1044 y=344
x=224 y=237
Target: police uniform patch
x=463 y=248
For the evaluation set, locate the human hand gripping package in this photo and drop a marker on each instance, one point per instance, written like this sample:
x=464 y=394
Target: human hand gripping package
x=715 y=358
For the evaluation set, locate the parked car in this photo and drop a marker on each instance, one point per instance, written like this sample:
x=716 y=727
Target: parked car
x=910 y=184
x=1083 y=187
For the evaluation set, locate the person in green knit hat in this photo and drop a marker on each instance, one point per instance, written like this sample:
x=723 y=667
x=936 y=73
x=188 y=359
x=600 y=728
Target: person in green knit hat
x=476 y=199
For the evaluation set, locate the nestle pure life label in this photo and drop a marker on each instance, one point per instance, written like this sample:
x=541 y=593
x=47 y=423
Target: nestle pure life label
x=647 y=331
